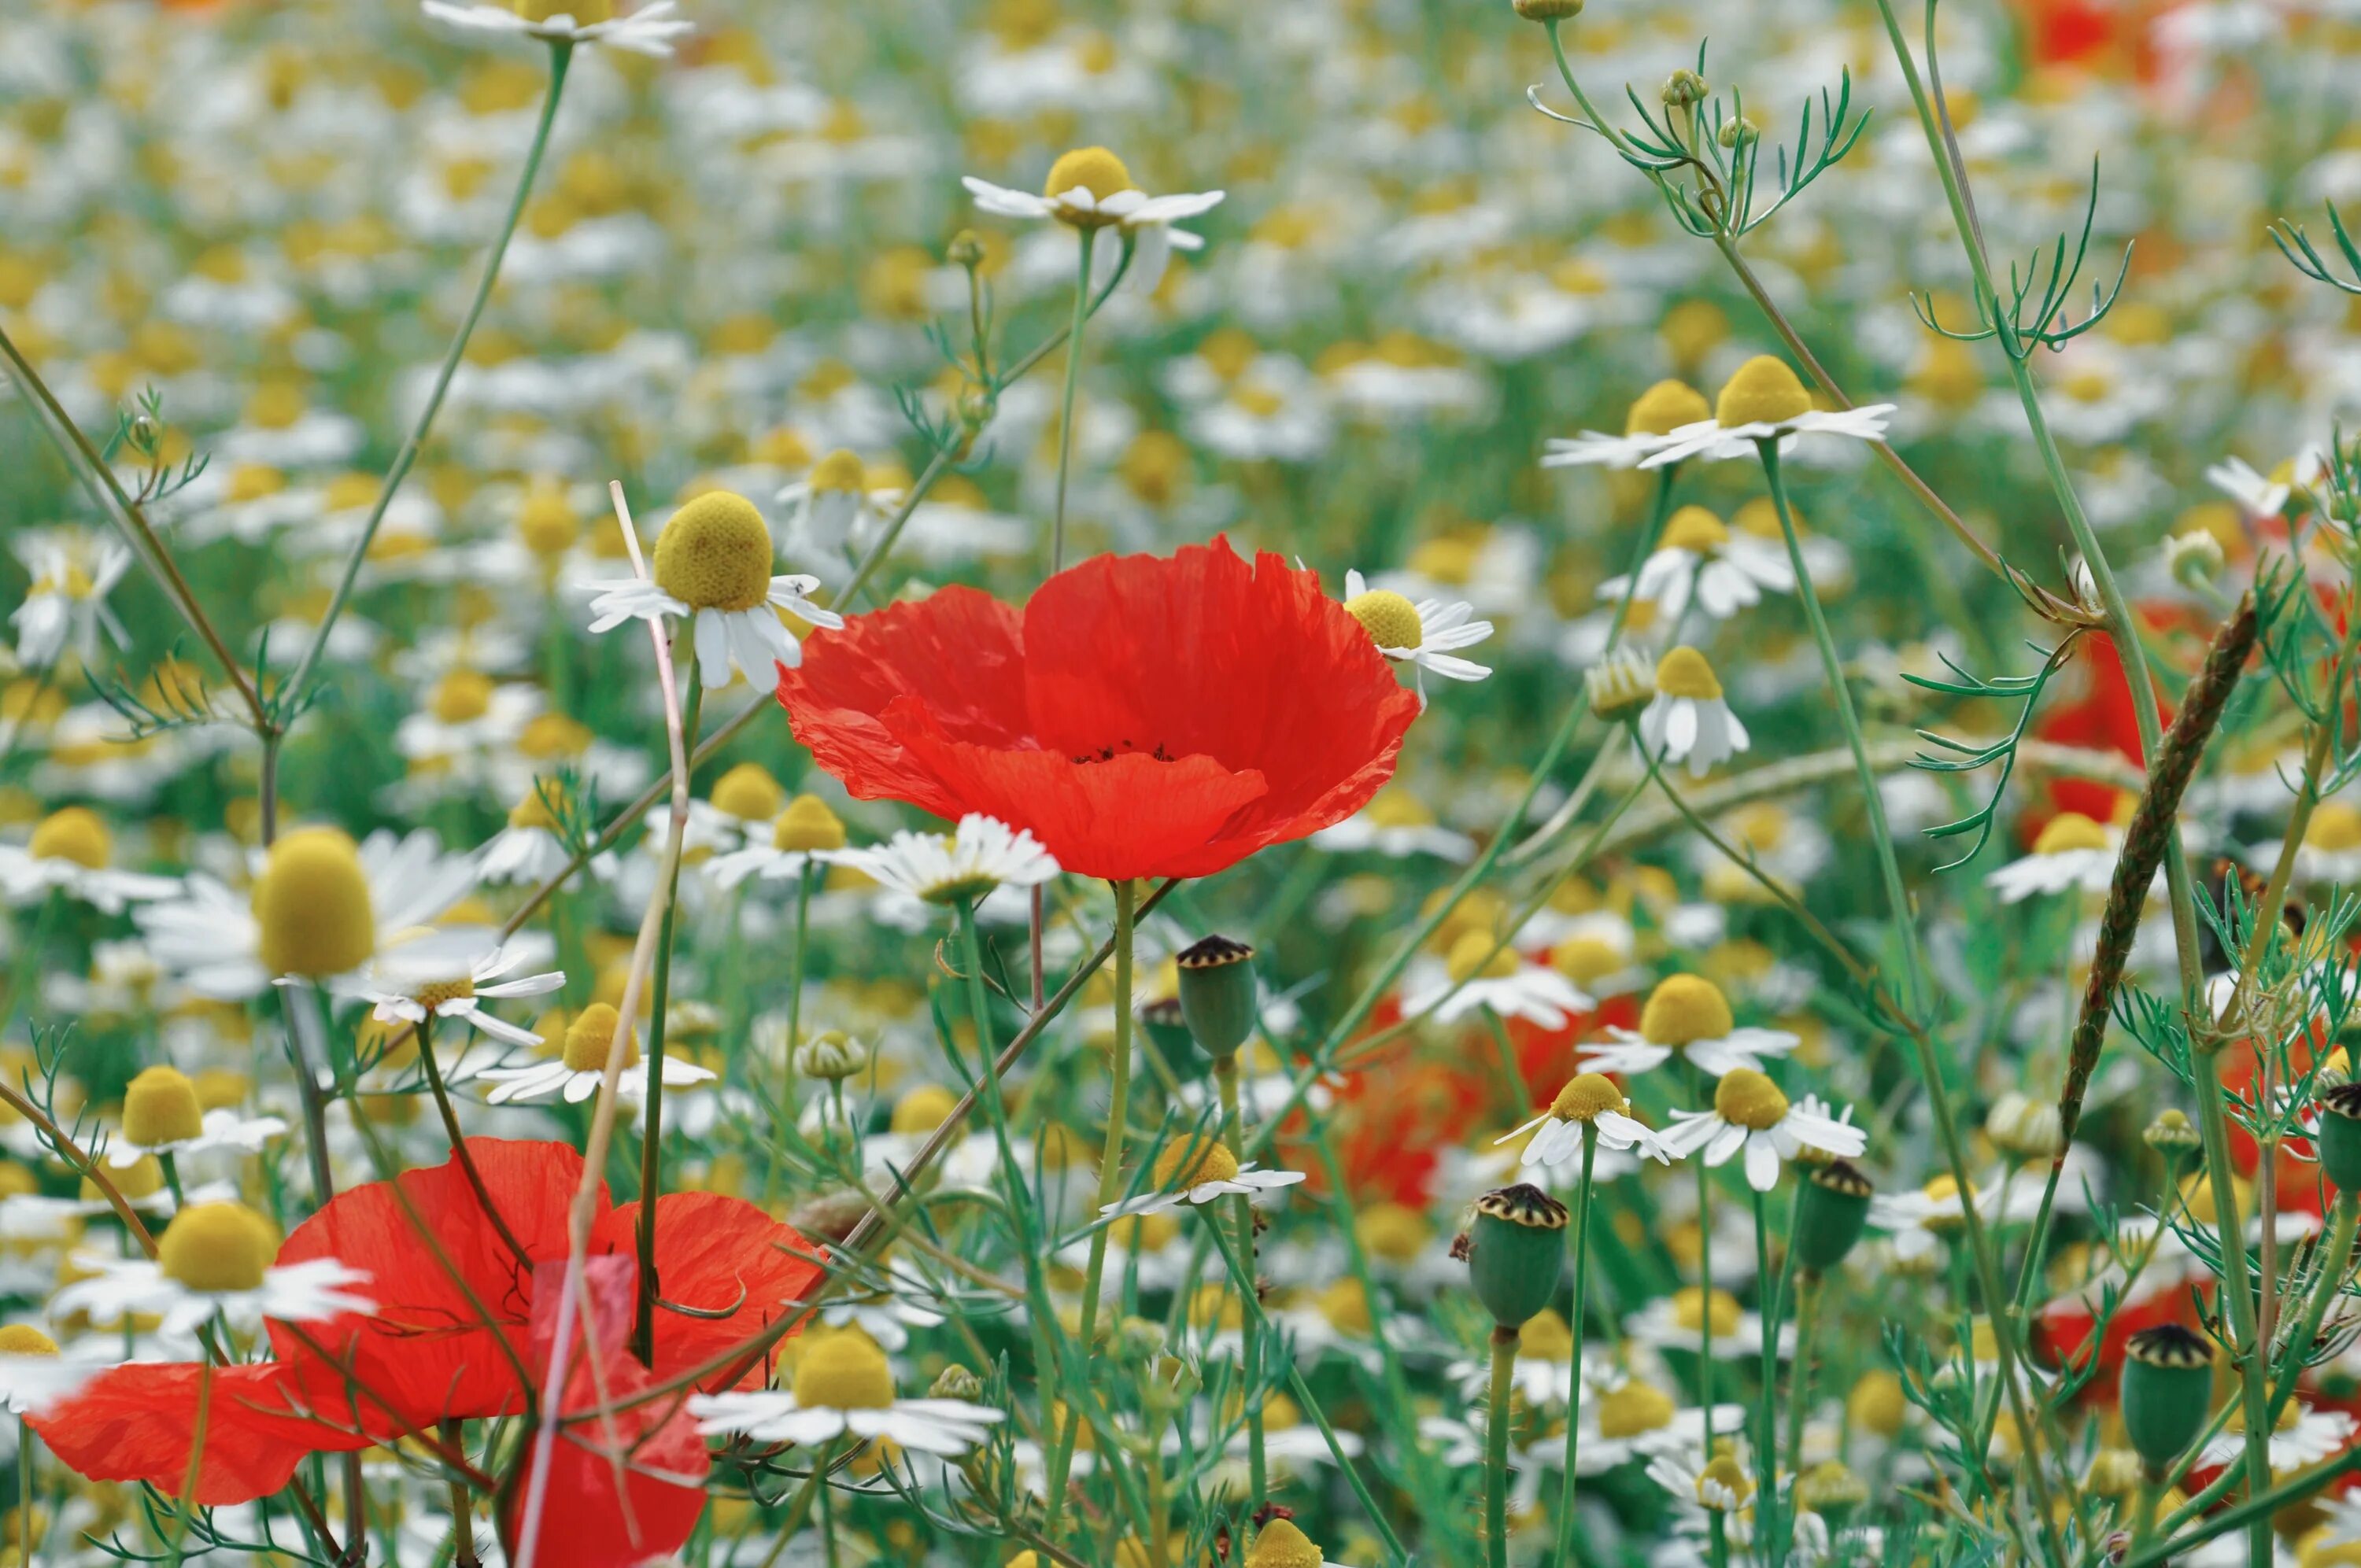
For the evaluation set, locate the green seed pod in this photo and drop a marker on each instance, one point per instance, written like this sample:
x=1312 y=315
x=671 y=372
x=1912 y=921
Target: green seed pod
x=2167 y=1383
x=1217 y=994
x=1831 y=1206
x=1168 y=1031
x=1515 y=1251
x=2339 y=1136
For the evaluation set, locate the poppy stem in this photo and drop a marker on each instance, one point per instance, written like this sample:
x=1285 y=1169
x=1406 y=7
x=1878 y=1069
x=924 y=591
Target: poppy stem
x=463 y=1520
x=643 y=1320
x=1579 y=1235
x=187 y=1500
x=1496 y=1448
x=1225 y=1076
x=25 y=1535
x=1061 y=1451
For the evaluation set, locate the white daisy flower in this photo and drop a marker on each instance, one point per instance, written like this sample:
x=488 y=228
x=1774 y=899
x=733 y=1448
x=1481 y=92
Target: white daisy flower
x=66 y=605
x=1543 y=1369
x=1089 y=188
x=1763 y=401
x=212 y=1259
x=1397 y=824
x=807 y=834
x=2263 y=497
x=650 y=30
x=530 y=850
x=834 y=507
x=2304 y=1437
x=1921 y=1220
x=1589 y=1099
x=2331 y=850
x=1663 y=409
x=980 y=854
x=844 y=1386
x=1197 y=1167
x=712 y=567
x=2071 y=853
x=1679 y=1321
x=1627 y=1417
x=34 y=1376
x=1421 y=635
x=69 y=853
x=464 y=997
x=163 y=1116
x=1474 y=976
x=1686 y=1016
x=321 y=907
x=1699 y=560
x=577 y=1072
x=1750 y=1112
x=1687 y=721
x=1720 y=1486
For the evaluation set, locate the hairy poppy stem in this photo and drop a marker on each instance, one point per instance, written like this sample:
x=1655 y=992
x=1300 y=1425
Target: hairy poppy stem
x=1496 y=1448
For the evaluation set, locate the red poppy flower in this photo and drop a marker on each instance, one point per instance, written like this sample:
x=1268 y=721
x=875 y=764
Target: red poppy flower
x=426 y=1355
x=1142 y=718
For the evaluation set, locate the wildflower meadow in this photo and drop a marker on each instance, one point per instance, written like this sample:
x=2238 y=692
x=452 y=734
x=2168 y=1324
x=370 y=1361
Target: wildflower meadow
x=1179 y=783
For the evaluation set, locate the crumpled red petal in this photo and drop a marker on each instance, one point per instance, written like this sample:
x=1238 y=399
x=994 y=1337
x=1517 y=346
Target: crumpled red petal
x=713 y=1250
x=135 y=1423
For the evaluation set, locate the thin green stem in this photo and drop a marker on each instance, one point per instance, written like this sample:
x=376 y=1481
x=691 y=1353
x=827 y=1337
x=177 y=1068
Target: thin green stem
x=1066 y=398
x=1225 y=1080
x=1767 y=1430
x=1799 y=1392
x=2334 y=1259
x=643 y=1320
x=28 y=1536
x=1496 y=1448
x=186 y=1501
x=1578 y=1238
x=460 y=1154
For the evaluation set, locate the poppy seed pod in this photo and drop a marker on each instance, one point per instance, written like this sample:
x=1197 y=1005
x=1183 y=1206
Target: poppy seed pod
x=1831 y=1206
x=1217 y=994
x=2168 y=1381
x=2339 y=1136
x=1516 y=1249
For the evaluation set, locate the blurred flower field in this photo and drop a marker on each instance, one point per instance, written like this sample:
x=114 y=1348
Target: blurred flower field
x=1155 y=783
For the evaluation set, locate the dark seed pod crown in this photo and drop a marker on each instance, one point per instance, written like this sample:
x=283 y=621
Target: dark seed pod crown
x=2170 y=1344
x=1213 y=952
x=1843 y=1177
x=2345 y=1100
x=1524 y=1204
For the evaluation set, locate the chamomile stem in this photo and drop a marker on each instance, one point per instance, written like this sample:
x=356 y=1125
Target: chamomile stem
x=1705 y=1308
x=1065 y=400
x=643 y=1321
x=25 y=1532
x=1766 y=1430
x=1061 y=1451
x=1225 y=1078
x=462 y=1521
x=1496 y=1448
x=1579 y=1238
x=1799 y=1392
x=796 y=988
x=2335 y=1257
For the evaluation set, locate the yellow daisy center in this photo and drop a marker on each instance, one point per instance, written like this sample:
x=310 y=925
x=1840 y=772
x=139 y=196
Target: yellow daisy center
x=217 y=1248
x=312 y=906
x=534 y=810
x=1692 y=1308
x=1665 y=408
x=1582 y=959
x=442 y=991
x=1347 y=1307
x=1746 y=1098
x=924 y=1109
x=24 y=1339
x=72 y=582
x=1473 y=958
x=1683 y=671
x=843 y=1371
x=1684 y=1009
x=546 y=521
x=1724 y=1473
x=749 y=793
x=591 y=1035
x=584 y=12
x=76 y=834
x=143 y=1178
x=1695 y=530
x=1391 y=1233
x=715 y=553
x=1282 y=1545
x=1395 y=806
x=807 y=825
x=1194 y=1159
x=462 y=695
x=1390 y=619
x=1584 y=1098
x=2335 y=825
x=161 y=1106
x=1764 y=392
x=1634 y=1409
x=2070 y=830
x=547 y=735
x=841 y=471
x=1092 y=169
x=1546 y=1337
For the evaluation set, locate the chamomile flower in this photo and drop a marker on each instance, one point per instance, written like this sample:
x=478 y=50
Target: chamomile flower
x=804 y=835
x=1089 y=188
x=579 y=1070
x=2302 y=1437
x=66 y=605
x=1682 y=1320
x=68 y=853
x=2331 y=850
x=1589 y=1099
x=163 y=1115
x=322 y=908
x=843 y=1385
x=1751 y=1113
x=834 y=505
x=1666 y=407
x=212 y=1259
x=1475 y=975
x=1764 y=402
x=1687 y=721
x=530 y=849
x=463 y=997
x=1421 y=635
x=1197 y=1167
x=980 y=854
x=1686 y=1016
x=1544 y=1368
x=649 y=30
x=34 y=1376
x=1699 y=560
x=1920 y=1221
x=1396 y=823
x=2071 y=853
x=712 y=567
x=1629 y=1418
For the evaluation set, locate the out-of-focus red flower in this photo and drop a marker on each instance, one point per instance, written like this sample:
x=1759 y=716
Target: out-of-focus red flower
x=652 y=1448
x=2061 y=1334
x=425 y=1355
x=1140 y=717
x=2102 y=719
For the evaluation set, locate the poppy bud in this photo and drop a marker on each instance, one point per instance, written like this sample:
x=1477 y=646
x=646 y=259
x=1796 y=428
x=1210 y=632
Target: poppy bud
x=1831 y=1206
x=1217 y=994
x=2339 y=1136
x=2167 y=1383
x=1516 y=1249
